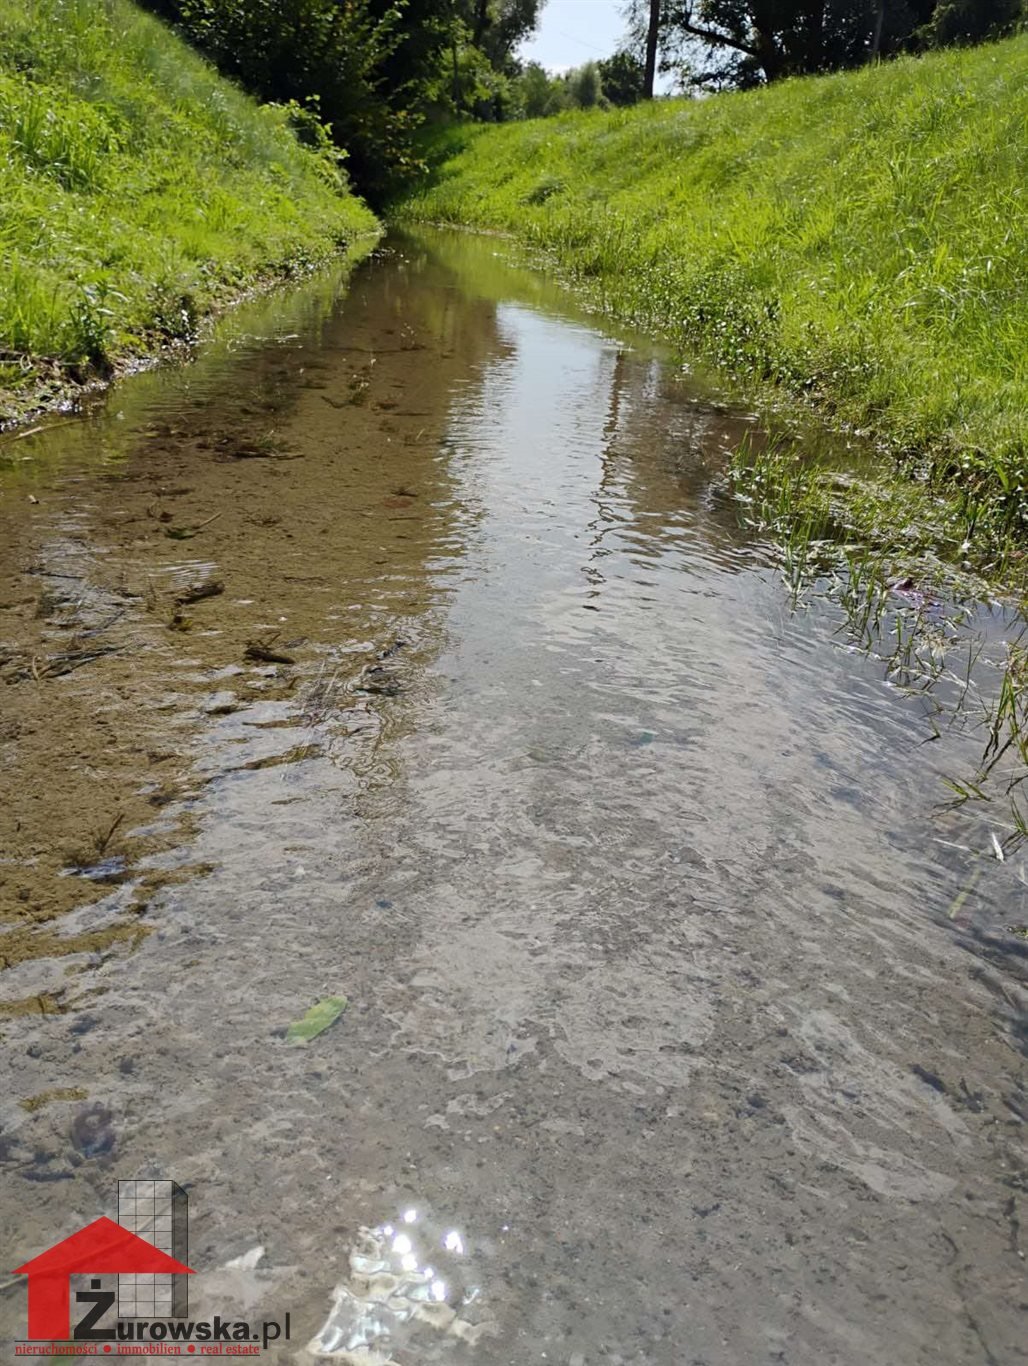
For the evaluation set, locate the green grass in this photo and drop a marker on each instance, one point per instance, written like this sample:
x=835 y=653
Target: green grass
x=855 y=241
x=138 y=192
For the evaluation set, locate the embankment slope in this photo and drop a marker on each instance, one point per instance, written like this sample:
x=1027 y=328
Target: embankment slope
x=858 y=240
x=138 y=192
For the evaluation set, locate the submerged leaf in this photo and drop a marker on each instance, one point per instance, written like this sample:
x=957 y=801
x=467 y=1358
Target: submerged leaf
x=957 y=904
x=317 y=1020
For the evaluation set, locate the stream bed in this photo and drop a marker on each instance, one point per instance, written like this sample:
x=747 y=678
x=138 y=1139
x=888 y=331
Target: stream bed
x=406 y=648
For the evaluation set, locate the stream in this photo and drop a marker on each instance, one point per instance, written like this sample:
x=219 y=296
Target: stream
x=405 y=647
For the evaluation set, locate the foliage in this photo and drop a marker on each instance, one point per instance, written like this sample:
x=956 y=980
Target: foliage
x=137 y=188
x=534 y=93
x=321 y=1016
x=584 y=87
x=855 y=240
x=622 y=78
x=371 y=69
x=310 y=52
x=741 y=43
x=497 y=26
x=972 y=21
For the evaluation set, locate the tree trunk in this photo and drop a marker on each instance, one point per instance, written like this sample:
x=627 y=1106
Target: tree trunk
x=770 y=59
x=652 y=33
x=816 y=43
x=481 y=22
x=876 y=41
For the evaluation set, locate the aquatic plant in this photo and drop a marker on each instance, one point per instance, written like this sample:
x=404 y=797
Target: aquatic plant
x=900 y=605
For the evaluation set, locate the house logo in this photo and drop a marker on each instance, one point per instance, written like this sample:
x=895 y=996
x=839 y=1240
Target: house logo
x=121 y=1287
x=145 y=1249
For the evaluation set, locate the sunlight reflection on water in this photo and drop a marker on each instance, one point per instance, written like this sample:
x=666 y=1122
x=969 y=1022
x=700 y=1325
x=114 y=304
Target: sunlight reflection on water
x=401 y=1283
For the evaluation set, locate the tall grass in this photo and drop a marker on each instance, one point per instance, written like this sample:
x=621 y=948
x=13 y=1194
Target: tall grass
x=137 y=188
x=858 y=240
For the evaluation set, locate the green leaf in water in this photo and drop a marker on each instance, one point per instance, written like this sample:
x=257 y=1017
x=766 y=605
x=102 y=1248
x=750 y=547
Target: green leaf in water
x=317 y=1020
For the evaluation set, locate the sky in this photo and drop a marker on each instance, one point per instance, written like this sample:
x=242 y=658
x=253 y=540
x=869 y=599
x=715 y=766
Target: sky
x=571 y=32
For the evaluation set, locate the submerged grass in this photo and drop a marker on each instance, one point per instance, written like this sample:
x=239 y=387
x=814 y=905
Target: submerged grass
x=854 y=241
x=138 y=192
x=919 y=617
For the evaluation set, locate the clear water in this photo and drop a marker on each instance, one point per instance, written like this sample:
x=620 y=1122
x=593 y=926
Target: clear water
x=682 y=1023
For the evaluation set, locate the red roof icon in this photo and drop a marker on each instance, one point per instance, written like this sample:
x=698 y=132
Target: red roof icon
x=102 y=1246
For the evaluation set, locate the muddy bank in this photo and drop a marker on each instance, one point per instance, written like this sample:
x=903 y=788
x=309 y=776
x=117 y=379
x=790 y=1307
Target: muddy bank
x=405 y=650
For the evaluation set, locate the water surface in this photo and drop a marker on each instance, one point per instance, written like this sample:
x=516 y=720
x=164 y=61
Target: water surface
x=682 y=1025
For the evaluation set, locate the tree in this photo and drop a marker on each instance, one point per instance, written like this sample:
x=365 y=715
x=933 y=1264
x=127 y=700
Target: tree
x=482 y=38
x=533 y=91
x=496 y=27
x=971 y=21
x=369 y=69
x=584 y=86
x=623 y=78
x=718 y=43
x=318 y=54
x=745 y=42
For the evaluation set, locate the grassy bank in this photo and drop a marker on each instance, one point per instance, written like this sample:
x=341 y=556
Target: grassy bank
x=138 y=192
x=856 y=242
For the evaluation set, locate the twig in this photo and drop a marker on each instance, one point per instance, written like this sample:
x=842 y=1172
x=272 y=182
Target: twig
x=102 y=844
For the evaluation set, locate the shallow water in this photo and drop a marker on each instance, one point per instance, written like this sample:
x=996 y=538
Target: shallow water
x=682 y=1024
